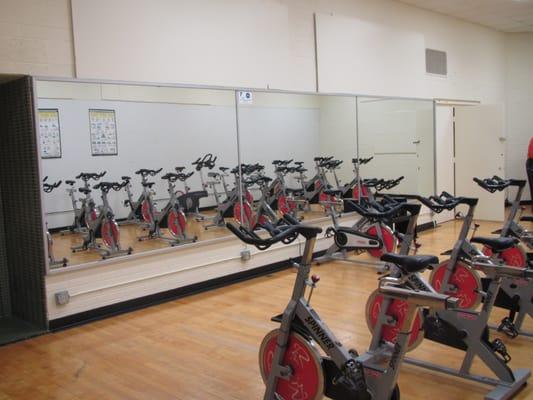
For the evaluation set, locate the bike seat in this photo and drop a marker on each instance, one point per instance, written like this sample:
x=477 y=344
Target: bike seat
x=84 y=190
x=223 y=169
x=302 y=170
x=148 y=184
x=410 y=264
x=213 y=174
x=125 y=178
x=495 y=243
x=179 y=169
x=527 y=218
x=71 y=183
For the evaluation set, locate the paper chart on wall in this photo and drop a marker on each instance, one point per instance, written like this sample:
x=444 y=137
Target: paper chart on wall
x=103 y=130
x=49 y=133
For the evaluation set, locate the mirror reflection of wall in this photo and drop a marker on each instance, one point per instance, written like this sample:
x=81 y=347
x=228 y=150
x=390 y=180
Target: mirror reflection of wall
x=156 y=128
x=298 y=127
x=399 y=134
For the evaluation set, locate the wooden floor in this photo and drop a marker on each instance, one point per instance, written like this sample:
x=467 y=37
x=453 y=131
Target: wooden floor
x=205 y=346
x=129 y=234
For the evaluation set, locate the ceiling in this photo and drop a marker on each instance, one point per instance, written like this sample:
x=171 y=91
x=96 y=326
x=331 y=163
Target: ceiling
x=503 y=15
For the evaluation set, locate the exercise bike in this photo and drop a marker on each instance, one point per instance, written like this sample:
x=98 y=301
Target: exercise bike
x=171 y=216
x=52 y=262
x=190 y=200
x=311 y=189
x=457 y=277
x=372 y=233
x=457 y=328
x=289 y=360
x=225 y=208
x=82 y=218
x=103 y=226
x=515 y=255
x=135 y=214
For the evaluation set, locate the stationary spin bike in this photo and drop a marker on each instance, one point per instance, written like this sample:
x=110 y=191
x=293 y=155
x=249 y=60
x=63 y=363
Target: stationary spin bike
x=457 y=277
x=135 y=215
x=515 y=255
x=81 y=217
x=289 y=359
x=171 y=216
x=48 y=188
x=456 y=328
x=104 y=226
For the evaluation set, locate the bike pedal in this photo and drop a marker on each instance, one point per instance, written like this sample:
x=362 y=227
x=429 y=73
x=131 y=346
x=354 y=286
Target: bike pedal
x=508 y=327
x=499 y=347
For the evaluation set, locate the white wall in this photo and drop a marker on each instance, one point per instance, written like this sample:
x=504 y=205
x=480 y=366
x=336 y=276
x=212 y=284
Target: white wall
x=519 y=102
x=36 y=37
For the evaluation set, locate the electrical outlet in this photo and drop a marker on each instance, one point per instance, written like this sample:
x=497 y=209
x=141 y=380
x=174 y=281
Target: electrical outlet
x=245 y=254
x=62 y=297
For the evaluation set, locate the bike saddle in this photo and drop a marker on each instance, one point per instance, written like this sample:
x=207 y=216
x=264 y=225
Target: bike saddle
x=71 y=183
x=125 y=178
x=223 y=169
x=148 y=184
x=84 y=190
x=179 y=169
x=410 y=264
x=527 y=218
x=213 y=174
x=497 y=243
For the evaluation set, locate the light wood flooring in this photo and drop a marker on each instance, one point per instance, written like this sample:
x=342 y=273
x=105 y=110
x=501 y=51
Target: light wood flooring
x=205 y=346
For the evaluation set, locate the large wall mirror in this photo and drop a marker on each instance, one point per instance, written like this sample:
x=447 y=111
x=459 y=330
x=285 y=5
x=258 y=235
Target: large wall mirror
x=399 y=136
x=158 y=147
x=287 y=134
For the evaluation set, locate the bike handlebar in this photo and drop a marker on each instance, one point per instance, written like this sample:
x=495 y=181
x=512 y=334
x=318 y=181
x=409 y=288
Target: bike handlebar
x=388 y=210
x=107 y=186
x=445 y=201
x=290 y=233
x=362 y=161
x=48 y=187
x=86 y=176
x=145 y=172
x=498 y=184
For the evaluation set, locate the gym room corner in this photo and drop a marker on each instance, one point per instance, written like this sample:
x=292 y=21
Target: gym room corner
x=267 y=199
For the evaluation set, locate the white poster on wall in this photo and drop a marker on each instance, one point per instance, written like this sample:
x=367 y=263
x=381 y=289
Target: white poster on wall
x=245 y=97
x=103 y=128
x=49 y=133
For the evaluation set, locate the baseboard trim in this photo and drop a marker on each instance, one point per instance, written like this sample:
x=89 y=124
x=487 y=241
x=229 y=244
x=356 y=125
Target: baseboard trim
x=111 y=310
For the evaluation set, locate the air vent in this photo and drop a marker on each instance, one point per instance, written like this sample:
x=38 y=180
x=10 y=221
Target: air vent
x=436 y=62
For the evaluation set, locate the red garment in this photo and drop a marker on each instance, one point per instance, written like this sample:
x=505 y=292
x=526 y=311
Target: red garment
x=530 y=149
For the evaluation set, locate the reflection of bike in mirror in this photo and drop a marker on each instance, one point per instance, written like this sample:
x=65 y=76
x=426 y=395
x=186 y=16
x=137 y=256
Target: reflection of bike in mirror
x=135 y=213
x=104 y=225
x=289 y=357
x=171 y=216
x=81 y=216
x=48 y=188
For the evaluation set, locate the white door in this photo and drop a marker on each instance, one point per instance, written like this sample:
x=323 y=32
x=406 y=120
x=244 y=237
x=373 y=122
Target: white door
x=479 y=152
x=444 y=138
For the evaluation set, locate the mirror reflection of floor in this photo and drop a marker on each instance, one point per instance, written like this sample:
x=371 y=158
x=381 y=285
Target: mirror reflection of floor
x=130 y=232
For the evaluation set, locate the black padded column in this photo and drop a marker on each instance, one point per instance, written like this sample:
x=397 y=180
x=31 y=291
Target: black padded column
x=21 y=203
